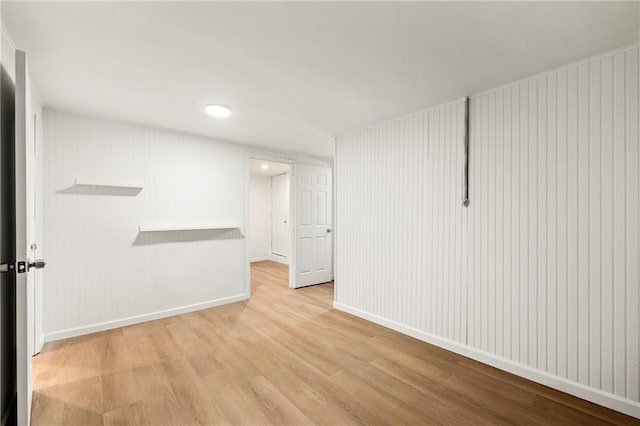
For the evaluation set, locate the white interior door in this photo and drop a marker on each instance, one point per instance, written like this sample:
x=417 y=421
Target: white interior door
x=280 y=238
x=25 y=234
x=313 y=225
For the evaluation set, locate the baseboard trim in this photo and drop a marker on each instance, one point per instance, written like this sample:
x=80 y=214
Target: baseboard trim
x=41 y=343
x=272 y=257
x=108 y=325
x=623 y=405
x=279 y=259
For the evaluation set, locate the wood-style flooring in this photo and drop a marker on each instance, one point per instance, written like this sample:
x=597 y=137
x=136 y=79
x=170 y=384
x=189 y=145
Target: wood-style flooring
x=283 y=357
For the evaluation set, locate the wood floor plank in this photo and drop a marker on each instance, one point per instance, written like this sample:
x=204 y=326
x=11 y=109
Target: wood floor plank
x=119 y=390
x=283 y=357
x=279 y=409
x=130 y=415
x=191 y=393
x=85 y=395
x=48 y=410
x=238 y=403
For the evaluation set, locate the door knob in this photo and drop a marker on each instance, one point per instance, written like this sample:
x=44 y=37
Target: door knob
x=329 y=230
x=22 y=266
x=37 y=264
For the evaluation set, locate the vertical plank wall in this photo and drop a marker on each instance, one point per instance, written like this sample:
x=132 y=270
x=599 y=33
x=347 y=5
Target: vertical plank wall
x=539 y=275
x=101 y=272
x=400 y=222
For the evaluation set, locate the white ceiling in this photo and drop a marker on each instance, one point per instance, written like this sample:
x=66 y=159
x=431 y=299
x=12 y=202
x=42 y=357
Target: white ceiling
x=296 y=73
x=272 y=170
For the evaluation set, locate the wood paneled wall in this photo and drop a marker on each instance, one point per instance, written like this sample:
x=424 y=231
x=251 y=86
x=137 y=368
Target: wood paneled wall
x=539 y=275
x=400 y=221
x=101 y=272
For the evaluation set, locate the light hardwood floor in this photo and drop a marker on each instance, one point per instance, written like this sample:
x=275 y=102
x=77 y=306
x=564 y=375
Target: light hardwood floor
x=283 y=357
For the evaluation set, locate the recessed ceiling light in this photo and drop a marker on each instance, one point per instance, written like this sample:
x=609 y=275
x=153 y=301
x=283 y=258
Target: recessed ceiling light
x=264 y=166
x=219 y=111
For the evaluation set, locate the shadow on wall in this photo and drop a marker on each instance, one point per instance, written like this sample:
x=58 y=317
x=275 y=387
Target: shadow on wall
x=165 y=237
x=117 y=191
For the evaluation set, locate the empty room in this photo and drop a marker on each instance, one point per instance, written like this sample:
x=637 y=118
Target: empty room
x=332 y=213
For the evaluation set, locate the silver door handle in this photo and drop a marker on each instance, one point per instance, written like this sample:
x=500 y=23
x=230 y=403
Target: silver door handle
x=37 y=264
x=329 y=230
x=22 y=266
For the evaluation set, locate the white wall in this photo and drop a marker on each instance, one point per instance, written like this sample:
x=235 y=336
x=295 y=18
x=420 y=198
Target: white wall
x=260 y=218
x=101 y=271
x=539 y=276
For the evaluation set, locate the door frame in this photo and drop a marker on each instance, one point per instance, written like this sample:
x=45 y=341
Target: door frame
x=274 y=255
x=247 y=216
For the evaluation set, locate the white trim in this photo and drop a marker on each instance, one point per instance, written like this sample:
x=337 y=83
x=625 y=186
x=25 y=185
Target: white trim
x=292 y=225
x=108 y=325
x=271 y=257
x=623 y=405
x=336 y=230
x=41 y=342
x=278 y=259
x=247 y=224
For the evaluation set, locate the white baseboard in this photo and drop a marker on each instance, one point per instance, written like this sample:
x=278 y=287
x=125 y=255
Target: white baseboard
x=108 y=325
x=272 y=257
x=280 y=259
x=626 y=406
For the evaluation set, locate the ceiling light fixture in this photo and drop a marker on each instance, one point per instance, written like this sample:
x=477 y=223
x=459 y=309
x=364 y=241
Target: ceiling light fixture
x=219 y=111
x=264 y=166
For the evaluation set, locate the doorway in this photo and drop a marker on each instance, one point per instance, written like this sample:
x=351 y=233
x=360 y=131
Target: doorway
x=290 y=219
x=269 y=200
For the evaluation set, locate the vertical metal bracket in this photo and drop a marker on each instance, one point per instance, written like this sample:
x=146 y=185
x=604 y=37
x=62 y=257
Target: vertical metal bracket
x=465 y=177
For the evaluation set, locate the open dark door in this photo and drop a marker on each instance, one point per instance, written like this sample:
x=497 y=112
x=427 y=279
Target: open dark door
x=16 y=334
x=8 y=358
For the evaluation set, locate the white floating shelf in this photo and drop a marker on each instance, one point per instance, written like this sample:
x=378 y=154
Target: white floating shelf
x=130 y=184
x=165 y=228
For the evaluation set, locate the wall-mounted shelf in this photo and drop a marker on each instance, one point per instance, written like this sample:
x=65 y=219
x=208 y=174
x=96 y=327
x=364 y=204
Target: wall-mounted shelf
x=166 y=228
x=128 y=184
